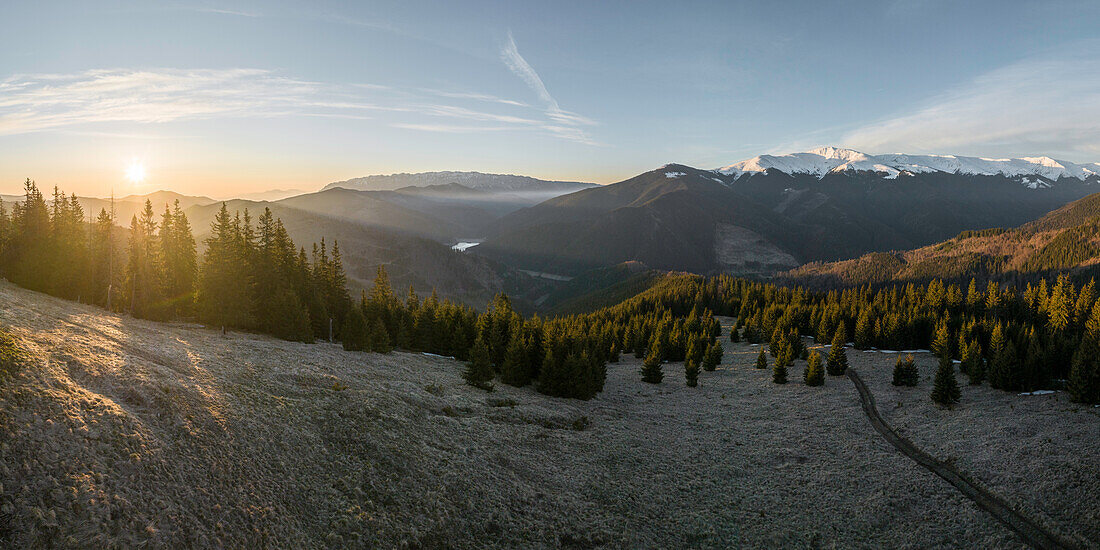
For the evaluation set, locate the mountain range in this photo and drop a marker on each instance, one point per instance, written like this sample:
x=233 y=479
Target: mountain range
x=772 y=213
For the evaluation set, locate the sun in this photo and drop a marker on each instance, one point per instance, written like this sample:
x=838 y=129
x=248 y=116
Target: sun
x=135 y=172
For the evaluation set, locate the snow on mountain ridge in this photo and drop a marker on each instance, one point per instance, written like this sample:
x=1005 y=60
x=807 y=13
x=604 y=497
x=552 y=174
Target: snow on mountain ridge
x=824 y=160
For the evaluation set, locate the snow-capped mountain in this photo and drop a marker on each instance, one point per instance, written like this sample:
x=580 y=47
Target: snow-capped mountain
x=820 y=162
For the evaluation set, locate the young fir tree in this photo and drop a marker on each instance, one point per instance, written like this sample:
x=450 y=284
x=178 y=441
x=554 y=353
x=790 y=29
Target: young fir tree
x=945 y=389
x=838 y=356
x=865 y=330
x=380 y=341
x=223 y=299
x=479 y=370
x=1003 y=369
x=779 y=372
x=905 y=372
x=735 y=335
x=514 y=372
x=941 y=340
x=1083 y=384
x=651 y=366
x=972 y=363
x=814 y=374
x=355 y=331
x=762 y=359
x=713 y=357
x=691 y=373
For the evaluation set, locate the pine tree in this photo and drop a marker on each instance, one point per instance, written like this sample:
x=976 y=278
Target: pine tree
x=941 y=341
x=814 y=375
x=945 y=389
x=864 y=330
x=762 y=359
x=651 y=366
x=355 y=337
x=691 y=373
x=1083 y=383
x=223 y=299
x=380 y=341
x=905 y=372
x=479 y=370
x=972 y=363
x=1002 y=369
x=713 y=357
x=515 y=372
x=838 y=356
x=779 y=372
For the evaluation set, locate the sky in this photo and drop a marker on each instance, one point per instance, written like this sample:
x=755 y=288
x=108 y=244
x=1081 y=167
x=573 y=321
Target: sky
x=226 y=98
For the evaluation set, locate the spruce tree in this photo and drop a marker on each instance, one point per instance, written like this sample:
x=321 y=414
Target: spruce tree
x=838 y=356
x=1003 y=367
x=479 y=369
x=941 y=340
x=945 y=389
x=1083 y=383
x=865 y=330
x=651 y=366
x=380 y=341
x=779 y=372
x=905 y=372
x=762 y=359
x=814 y=375
x=735 y=336
x=355 y=337
x=691 y=373
x=972 y=363
x=713 y=357
x=515 y=372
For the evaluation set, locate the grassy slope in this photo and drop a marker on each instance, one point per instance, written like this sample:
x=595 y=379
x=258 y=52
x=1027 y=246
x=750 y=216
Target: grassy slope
x=121 y=432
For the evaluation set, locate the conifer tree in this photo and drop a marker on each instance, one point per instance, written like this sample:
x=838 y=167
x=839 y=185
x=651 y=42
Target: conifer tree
x=865 y=330
x=762 y=359
x=941 y=341
x=905 y=372
x=735 y=335
x=972 y=363
x=691 y=373
x=223 y=299
x=479 y=370
x=713 y=357
x=1003 y=369
x=651 y=366
x=779 y=372
x=945 y=389
x=814 y=375
x=515 y=372
x=1083 y=383
x=838 y=356
x=379 y=339
x=355 y=336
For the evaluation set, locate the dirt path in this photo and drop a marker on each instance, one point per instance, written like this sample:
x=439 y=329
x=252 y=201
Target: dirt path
x=1030 y=531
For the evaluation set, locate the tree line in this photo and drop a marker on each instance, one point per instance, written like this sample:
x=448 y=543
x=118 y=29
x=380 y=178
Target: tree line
x=1045 y=335
x=252 y=276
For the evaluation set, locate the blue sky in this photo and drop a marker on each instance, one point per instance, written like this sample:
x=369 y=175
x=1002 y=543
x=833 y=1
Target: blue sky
x=231 y=97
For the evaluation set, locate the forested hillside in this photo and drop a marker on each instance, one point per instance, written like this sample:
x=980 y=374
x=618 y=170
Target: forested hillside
x=1066 y=240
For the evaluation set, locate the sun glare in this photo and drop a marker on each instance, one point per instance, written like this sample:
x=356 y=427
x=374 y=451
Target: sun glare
x=135 y=172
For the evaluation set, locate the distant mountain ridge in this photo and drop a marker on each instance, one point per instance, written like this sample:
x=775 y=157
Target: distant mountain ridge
x=826 y=160
x=761 y=220
x=472 y=180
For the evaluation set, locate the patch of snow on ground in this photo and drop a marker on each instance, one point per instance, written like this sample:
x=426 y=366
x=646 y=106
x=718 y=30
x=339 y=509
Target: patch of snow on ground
x=1039 y=392
x=671 y=175
x=464 y=246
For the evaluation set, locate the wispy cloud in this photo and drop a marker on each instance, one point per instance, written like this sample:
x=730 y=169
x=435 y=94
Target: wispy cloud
x=62 y=102
x=562 y=123
x=1048 y=104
